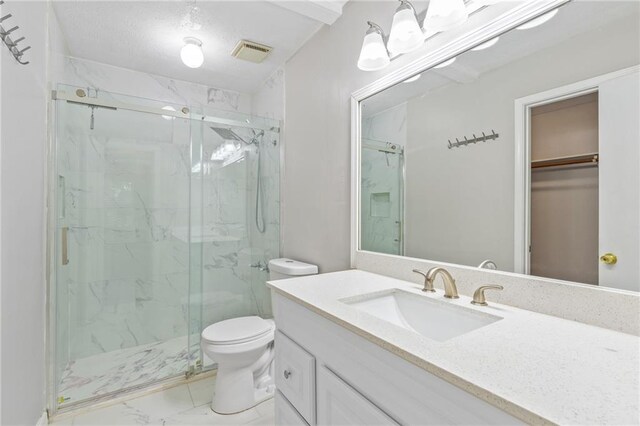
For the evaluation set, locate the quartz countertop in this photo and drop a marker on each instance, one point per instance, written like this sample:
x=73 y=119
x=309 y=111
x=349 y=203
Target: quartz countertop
x=536 y=367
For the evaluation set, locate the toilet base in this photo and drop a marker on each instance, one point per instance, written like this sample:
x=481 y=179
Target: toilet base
x=239 y=392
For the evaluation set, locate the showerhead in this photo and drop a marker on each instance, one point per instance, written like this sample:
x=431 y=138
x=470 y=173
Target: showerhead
x=230 y=135
x=227 y=134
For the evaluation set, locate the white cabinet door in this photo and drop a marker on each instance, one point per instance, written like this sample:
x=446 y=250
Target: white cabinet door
x=286 y=415
x=295 y=375
x=619 y=175
x=340 y=404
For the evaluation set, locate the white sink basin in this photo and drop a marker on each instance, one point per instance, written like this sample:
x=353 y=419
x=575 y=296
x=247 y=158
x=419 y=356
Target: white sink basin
x=431 y=318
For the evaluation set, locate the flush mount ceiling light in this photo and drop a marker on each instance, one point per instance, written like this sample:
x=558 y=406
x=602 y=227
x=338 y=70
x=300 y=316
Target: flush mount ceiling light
x=443 y=15
x=191 y=54
x=373 y=55
x=486 y=44
x=412 y=79
x=406 y=35
x=446 y=63
x=538 y=21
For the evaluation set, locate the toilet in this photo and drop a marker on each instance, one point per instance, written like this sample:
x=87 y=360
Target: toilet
x=243 y=349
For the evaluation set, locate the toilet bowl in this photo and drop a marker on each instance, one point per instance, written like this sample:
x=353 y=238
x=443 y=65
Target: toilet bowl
x=243 y=349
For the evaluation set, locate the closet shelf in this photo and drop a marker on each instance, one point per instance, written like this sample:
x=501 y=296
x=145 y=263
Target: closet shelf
x=591 y=159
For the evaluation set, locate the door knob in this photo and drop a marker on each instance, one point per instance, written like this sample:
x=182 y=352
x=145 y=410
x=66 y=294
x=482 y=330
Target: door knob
x=609 y=258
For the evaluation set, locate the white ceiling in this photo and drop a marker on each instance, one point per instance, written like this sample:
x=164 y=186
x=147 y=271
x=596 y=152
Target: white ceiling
x=572 y=19
x=147 y=35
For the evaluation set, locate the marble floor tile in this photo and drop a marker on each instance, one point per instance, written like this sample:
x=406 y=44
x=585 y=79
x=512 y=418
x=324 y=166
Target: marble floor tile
x=203 y=415
x=173 y=406
x=202 y=391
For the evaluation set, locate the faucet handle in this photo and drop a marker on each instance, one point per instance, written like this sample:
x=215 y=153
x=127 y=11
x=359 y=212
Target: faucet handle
x=428 y=284
x=478 y=295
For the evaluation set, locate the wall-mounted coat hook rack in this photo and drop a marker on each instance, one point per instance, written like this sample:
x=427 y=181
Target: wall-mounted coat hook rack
x=474 y=139
x=11 y=44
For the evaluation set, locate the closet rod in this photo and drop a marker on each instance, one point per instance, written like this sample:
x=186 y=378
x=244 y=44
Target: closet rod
x=591 y=158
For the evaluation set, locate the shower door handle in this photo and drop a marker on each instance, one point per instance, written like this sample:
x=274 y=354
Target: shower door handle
x=65 y=245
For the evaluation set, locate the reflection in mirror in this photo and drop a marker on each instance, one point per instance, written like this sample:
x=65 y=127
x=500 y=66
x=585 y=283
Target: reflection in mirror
x=520 y=155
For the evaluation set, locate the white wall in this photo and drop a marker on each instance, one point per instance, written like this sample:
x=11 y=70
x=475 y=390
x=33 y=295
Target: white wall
x=22 y=277
x=320 y=80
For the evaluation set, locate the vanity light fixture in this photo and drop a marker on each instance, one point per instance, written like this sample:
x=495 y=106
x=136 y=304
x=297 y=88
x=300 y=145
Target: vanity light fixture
x=191 y=53
x=373 y=55
x=412 y=79
x=444 y=15
x=406 y=34
x=445 y=63
x=486 y=44
x=538 y=21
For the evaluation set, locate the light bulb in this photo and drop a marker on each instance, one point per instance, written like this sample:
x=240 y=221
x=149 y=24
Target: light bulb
x=373 y=55
x=486 y=44
x=538 y=21
x=446 y=63
x=191 y=54
x=406 y=35
x=443 y=15
x=412 y=79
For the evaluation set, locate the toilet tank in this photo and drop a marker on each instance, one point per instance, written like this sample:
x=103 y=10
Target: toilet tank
x=288 y=268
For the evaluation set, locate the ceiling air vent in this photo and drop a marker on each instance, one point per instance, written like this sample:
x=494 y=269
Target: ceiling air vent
x=251 y=51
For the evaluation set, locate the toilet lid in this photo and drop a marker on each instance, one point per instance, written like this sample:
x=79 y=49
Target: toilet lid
x=237 y=330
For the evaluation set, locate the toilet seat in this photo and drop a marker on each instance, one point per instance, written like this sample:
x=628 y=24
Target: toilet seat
x=236 y=331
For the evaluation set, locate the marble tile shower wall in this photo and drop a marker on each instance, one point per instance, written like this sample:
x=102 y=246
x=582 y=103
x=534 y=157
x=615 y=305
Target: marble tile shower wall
x=129 y=197
x=381 y=174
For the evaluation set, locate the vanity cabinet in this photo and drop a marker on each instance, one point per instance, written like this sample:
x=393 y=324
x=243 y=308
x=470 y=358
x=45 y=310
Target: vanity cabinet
x=340 y=404
x=329 y=375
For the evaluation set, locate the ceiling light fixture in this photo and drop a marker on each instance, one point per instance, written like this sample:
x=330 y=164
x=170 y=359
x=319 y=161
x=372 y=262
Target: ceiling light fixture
x=538 y=21
x=373 y=55
x=486 y=44
x=191 y=53
x=412 y=79
x=446 y=63
x=406 y=34
x=443 y=15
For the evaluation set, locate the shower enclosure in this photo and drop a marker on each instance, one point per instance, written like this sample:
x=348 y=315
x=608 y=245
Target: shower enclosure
x=164 y=218
x=382 y=203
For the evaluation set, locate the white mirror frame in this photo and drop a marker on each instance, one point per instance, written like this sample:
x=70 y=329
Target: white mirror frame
x=504 y=23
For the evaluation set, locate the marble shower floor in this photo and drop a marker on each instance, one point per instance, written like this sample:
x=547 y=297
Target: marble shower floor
x=113 y=371
x=186 y=404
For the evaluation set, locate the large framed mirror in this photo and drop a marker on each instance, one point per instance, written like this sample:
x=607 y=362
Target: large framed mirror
x=520 y=154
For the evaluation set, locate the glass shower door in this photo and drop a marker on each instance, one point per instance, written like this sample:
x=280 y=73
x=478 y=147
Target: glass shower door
x=122 y=296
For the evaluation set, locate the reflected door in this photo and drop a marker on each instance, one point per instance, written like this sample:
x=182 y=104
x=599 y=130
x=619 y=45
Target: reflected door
x=619 y=182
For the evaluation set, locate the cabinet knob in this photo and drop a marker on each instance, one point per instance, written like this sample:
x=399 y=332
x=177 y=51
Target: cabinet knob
x=609 y=258
x=287 y=373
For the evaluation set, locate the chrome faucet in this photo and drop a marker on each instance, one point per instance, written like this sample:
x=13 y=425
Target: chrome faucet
x=450 y=289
